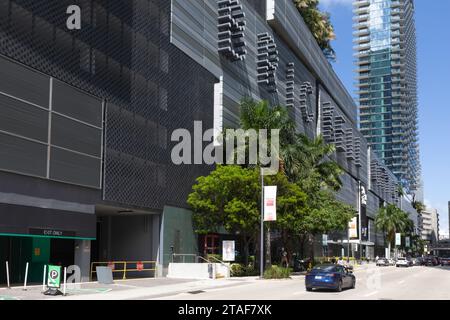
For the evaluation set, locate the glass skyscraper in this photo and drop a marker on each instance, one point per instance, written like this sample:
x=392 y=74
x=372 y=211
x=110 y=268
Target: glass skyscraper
x=385 y=39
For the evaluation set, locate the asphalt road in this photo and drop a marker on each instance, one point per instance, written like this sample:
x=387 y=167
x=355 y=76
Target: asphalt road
x=373 y=283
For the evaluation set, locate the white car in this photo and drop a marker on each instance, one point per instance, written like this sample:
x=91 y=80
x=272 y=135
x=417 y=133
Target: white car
x=402 y=262
x=383 y=262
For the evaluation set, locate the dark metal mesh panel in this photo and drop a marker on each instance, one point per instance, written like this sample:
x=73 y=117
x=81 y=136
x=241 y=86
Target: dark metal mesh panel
x=259 y=6
x=123 y=54
x=20 y=155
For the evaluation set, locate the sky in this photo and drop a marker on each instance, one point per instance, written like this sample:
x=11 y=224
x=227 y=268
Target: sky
x=433 y=37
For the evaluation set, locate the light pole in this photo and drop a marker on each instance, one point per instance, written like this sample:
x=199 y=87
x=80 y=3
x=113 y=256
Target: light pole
x=359 y=220
x=348 y=245
x=261 y=253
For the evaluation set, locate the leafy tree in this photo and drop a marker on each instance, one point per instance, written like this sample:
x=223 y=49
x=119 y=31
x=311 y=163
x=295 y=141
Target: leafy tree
x=319 y=24
x=392 y=220
x=325 y=214
x=291 y=210
x=228 y=197
x=305 y=162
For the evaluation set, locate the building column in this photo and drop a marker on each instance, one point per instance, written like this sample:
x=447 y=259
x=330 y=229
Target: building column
x=83 y=258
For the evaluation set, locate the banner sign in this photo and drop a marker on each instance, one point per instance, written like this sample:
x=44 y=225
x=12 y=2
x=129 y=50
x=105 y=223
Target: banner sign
x=353 y=228
x=228 y=251
x=54 y=277
x=407 y=242
x=325 y=240
x=270 y=203
x=398 y=239
x=364 y=219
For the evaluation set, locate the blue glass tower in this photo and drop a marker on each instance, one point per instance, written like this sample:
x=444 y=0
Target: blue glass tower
x=385 y=39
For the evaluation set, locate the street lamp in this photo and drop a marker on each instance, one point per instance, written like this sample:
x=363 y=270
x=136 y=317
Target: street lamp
x=261 y=253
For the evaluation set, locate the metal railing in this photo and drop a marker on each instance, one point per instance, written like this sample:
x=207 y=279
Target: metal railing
x=127 y=266
x=196 y=258
x=228 y=266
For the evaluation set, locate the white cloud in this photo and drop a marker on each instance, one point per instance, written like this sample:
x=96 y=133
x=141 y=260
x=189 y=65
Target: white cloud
x=330 y=3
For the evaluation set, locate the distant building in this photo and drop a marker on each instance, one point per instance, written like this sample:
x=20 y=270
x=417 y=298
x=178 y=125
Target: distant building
x=444 y=236
x=430 y=225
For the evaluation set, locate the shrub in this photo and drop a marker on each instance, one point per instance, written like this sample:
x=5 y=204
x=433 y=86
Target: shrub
x=240 y=270
x=276 y=272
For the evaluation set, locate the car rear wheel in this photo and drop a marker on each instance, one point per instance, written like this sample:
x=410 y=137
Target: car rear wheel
x=309 y=289
x=339 y=287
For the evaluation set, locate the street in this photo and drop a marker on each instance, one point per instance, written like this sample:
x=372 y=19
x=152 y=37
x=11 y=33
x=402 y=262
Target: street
x=373 y=283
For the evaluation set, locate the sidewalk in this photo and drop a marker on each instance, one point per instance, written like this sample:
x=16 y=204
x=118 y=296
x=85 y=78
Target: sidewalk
x=125 y=289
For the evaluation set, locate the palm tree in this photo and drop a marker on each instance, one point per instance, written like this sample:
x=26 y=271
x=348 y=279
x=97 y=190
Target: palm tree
x=303 y=160
x=419 y=206
x=261 y=116
x=392 y=220
x=314 y=162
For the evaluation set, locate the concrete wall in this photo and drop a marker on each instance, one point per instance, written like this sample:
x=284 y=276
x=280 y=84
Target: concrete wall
x=177 y=231
x=198 y=270
x=128 y=238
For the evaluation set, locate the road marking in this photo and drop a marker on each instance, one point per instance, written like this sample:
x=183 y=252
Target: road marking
x=371 y=294
x=125 y=285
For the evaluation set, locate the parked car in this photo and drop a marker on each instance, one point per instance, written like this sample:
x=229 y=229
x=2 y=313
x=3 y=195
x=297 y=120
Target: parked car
x=402 y=262
x=330 y=276
x=391 y=262
x=431 y=261
x=383 y=262
x=410 y=262
x=445 y=262
x=418 y=261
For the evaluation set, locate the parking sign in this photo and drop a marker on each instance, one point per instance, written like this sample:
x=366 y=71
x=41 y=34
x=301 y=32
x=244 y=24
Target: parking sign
x=54 y=277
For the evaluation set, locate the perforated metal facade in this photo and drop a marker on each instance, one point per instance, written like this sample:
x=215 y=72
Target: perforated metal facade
x=122 y=54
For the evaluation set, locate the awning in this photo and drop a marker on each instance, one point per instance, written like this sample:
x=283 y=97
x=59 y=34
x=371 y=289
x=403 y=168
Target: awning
x=27 y=221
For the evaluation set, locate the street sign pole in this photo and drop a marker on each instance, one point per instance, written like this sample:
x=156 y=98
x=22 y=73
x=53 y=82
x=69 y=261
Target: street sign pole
x=261 y=253
x=43 y=278
x=348 y=245
x=360 y=222
x=7 y=275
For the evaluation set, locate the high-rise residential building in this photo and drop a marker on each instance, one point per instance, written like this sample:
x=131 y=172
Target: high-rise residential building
x=385 y=38
x=430 y=230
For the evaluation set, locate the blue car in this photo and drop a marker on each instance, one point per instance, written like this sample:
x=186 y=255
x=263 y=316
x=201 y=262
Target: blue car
x=330 y=276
